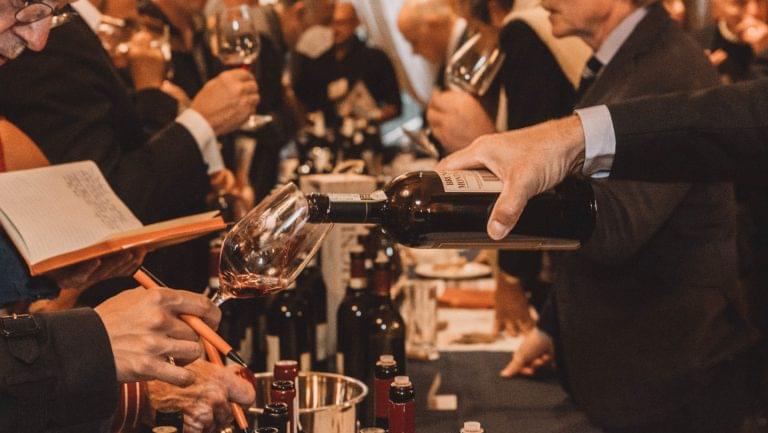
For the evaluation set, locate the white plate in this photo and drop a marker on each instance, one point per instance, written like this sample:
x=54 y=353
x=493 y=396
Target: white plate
x=468 y=270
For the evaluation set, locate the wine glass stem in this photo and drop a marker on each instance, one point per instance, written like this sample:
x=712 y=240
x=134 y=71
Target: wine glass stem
x=218 y=299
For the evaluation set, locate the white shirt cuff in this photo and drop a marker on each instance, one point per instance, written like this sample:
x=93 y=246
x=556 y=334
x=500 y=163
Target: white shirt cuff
x=204 y=137
x=599 y=139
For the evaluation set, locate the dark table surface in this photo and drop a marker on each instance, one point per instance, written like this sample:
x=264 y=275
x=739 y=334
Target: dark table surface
x=501 y=405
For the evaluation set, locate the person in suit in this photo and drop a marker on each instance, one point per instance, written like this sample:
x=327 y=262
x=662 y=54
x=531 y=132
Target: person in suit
x=629 y=294
x=320 y=83
x=160 y=175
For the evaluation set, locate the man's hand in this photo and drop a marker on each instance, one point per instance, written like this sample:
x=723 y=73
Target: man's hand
x=537 y=350
x=144 y=329
x=513 y=313
x=457 y=119
x=227 y=100
x=73 y=280
x=528 y=161
x=205 y=403
x=754 y=33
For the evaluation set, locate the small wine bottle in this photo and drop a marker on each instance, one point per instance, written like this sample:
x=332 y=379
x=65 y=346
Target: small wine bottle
x=402 y=402
x=288 y=369
x=275 y=415
x=450 y=209
x=283 y=391
x=384 y=375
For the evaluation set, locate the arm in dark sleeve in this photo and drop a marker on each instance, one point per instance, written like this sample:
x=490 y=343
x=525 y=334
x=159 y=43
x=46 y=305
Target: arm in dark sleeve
x=630 y=213
x=63 y=376
x=155 y=108
x=310 y=81
x=718 y=134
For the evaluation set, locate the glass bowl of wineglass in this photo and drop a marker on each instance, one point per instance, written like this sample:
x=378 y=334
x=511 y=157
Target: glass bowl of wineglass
x=266 y=250
x=237 y=44
x=475 y=64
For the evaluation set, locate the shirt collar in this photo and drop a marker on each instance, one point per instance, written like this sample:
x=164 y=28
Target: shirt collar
x=459 y=27
x=619 y=35
x=89 y=13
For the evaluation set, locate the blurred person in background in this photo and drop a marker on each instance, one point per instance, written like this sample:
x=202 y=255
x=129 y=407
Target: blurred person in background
x=323 y=82
x=676 y=10
x=737 y=40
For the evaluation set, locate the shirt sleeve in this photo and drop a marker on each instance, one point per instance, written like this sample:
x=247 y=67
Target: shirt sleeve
x=204 y=137
x=599 y=139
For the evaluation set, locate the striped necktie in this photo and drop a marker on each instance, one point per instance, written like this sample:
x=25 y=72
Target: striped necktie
x=588 y=77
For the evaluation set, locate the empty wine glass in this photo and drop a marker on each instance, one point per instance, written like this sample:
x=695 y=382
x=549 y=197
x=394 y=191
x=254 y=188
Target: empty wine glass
x=474 y=66
x=266 y=250
x=237 y=44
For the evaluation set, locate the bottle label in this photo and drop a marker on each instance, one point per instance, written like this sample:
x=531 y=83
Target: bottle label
x=321 y=351
x=470 y=181
x=273 y=351
x=375 y=196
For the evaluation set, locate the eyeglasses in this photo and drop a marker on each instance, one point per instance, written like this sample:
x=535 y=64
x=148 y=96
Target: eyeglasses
x=36 y=10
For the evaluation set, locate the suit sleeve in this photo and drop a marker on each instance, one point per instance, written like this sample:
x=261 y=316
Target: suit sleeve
x=63 y=376
x=629 y=215
x=385 y=88
x=719 y=134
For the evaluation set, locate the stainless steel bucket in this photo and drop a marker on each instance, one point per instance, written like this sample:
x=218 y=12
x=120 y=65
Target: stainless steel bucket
x=326 y=401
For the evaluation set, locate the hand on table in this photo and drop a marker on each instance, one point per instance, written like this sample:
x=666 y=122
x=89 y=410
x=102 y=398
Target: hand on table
x=205 y=403
x=536 y=351
x=227 y=100
x=528 y=161
x=144 y=329
x=456 y=119
x=513 y=313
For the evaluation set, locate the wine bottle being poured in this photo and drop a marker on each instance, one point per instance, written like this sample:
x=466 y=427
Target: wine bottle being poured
x=450 y=209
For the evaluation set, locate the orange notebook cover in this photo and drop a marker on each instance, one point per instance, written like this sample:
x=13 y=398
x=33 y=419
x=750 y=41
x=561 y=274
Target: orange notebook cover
x=64 y=214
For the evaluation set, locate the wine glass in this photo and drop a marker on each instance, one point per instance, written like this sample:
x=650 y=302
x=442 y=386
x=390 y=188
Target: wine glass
x=474 y=66
x=237 y=45
x=266 y=250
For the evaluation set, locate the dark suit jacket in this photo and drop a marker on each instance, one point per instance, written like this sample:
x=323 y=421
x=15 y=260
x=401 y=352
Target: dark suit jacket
x=71 y=102
x=649 y=305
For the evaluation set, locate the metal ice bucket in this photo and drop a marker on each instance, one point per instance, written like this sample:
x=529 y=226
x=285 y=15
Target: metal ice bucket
x=326 y=401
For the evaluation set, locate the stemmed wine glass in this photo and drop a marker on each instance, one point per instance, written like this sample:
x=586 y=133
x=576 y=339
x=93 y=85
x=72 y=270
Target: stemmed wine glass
x=471 y=69
x=266 y=250
x=237 y=45
x=474 y=66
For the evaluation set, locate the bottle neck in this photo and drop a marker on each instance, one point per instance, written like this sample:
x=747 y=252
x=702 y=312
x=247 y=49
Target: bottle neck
x=347 y=208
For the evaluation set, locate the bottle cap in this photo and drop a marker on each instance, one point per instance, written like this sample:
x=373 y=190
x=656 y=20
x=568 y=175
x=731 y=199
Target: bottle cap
x=372 y=430
x=276 y=408
x=287 y=363
x=386 y=359
x=164 y=429
x=401 y=381
x=266 y=430
x=283 y=385
x=472 y=427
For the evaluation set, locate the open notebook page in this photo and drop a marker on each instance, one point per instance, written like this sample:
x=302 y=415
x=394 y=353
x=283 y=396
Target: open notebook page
x=54 y=210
